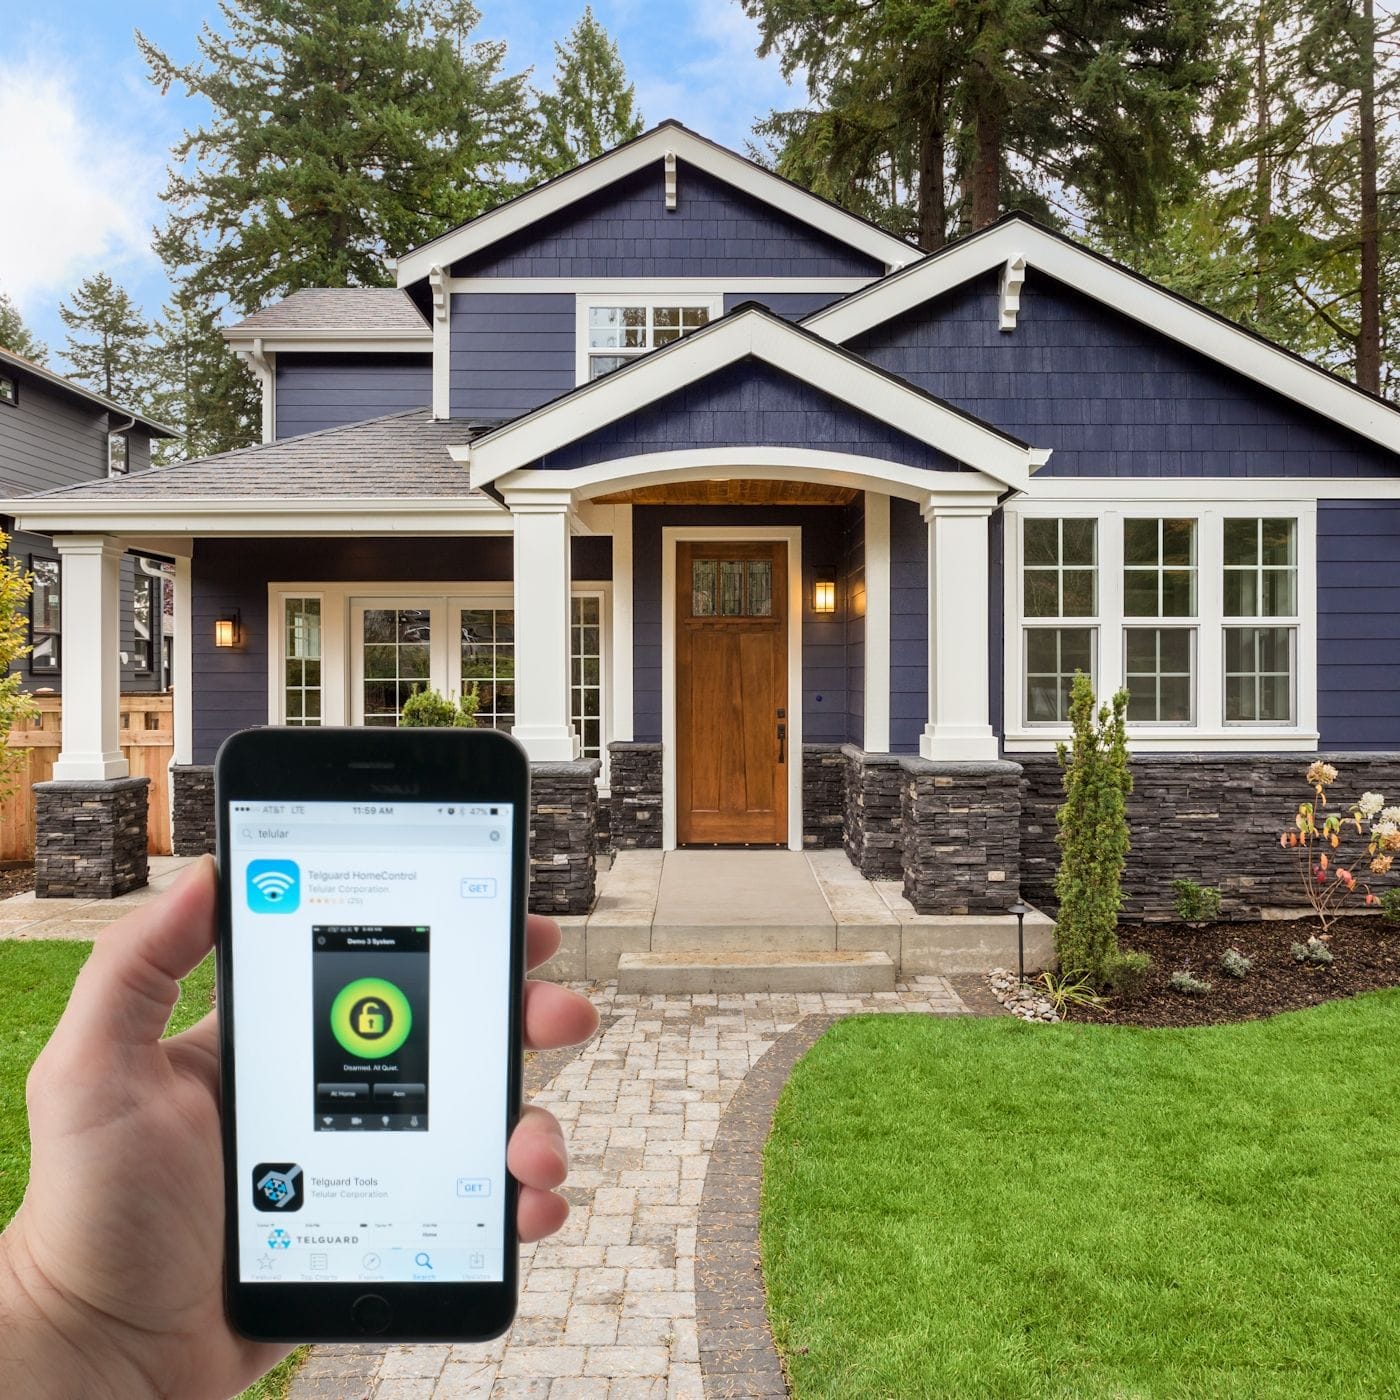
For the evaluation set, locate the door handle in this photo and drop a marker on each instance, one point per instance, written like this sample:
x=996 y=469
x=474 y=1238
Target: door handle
x=782 y=742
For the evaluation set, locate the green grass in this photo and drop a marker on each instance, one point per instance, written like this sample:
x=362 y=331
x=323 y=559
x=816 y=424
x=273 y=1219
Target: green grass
x=35 y=979
x=984 y=1208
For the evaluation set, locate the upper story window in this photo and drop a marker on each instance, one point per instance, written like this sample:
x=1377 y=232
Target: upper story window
x=118 y=454
x=9 y=389
x=614 y=331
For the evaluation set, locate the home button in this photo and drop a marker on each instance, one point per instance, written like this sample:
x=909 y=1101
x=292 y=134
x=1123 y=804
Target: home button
x=371 y=1314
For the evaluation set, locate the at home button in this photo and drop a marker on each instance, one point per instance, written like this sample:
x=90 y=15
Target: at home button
x=371 y=1313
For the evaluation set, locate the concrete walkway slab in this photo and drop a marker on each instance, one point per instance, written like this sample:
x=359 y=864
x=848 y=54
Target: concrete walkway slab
x=719 y=888
x=25 y=916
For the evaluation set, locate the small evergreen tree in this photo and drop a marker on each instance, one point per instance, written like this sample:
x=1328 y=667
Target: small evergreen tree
x=1093 y=836
x=16 y=337
x=15 y=703
x=108 y=346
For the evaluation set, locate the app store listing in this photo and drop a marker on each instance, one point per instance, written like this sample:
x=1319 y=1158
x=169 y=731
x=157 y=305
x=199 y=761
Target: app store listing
x=371 y=963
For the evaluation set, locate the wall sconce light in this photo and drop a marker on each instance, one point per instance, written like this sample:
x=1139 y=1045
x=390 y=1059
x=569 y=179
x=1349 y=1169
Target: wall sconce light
x=824 y=592
x=226 y=630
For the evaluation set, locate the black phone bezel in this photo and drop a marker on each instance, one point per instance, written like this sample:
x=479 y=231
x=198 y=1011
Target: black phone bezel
x=338 y=765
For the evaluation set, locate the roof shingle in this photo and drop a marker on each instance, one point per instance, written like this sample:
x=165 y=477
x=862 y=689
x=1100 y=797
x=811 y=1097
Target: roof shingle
x=339 y=309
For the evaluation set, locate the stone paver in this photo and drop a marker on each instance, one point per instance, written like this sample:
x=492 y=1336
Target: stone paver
x=608 y=1306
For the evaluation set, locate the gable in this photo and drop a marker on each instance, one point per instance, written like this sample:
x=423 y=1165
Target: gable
x=625 y=230
x=747 y=403
x=1109 y=395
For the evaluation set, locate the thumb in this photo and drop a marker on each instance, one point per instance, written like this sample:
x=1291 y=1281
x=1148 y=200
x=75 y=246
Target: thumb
x=127 y=988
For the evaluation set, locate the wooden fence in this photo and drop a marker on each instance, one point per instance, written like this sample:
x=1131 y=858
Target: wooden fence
x=147 y=744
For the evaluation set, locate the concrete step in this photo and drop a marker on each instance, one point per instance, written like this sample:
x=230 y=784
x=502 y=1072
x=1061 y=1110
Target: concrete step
x=717 y=971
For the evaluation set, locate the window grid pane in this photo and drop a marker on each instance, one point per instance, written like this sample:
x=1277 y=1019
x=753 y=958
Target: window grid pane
x=1053 y=655
x=1159 y=568
x=301 y=661
x=586 y=666
x=488 y=662
x=397 y=655
x=1259 y=667
x=617 y=334
x=1160 y=666
x=1061 y=568
x=1261 y=568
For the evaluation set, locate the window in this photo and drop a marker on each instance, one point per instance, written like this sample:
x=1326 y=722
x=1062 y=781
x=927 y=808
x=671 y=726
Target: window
x=145 y=609
x=1159 y=580
x=731 y=588
x=617 y=333
x=118 y=458
x=301 y=661
x=44 y=616
x=586 y=667
x=1261 y=581
x=1060 y=581
x=9 y=389
x=1159 y=671
x=488 y=662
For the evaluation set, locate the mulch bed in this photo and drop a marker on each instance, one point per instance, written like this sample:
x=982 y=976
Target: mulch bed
x=15 y=879
x=1366 y=952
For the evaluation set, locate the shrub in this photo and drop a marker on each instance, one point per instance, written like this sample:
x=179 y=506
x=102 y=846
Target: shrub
x=1313 y=951
x=1233 y=963
x=1188 y=985
x=1127 y=974
x=430 y=709
x=1390 y=906
x=1071 y=989
x=15 y=703
x=1093 y=835
x=1196 y=904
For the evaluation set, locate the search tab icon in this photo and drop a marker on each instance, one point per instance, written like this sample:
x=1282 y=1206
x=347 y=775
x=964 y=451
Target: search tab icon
x=422 y=1261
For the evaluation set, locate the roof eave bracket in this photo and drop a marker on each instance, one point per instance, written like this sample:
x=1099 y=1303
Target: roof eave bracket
x=1013 y=275
x=437 y=281
x=670 y=182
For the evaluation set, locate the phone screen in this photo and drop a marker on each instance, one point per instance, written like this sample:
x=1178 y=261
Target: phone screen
x=371 y=966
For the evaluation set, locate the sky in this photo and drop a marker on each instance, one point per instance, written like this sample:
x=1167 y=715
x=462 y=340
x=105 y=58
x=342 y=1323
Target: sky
x=88 y=135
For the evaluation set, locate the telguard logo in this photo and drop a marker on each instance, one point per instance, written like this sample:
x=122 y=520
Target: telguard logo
x=274 y=886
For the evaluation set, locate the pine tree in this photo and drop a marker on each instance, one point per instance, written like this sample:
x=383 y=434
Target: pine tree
x=108 y=346
x=16 y=337
x=593 y=106
x=343 y=131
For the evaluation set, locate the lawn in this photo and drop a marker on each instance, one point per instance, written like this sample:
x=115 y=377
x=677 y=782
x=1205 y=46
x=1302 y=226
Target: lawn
x=985 y=1208
x=35 y=979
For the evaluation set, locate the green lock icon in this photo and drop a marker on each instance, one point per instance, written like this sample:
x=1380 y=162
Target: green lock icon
x=371 y=1017
x=370 y=1020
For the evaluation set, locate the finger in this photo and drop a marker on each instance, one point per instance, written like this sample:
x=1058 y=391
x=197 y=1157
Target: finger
x=539 y=1213
x=556 y=1016
x=542 y=937
x=124 y=995
x=536 y=1154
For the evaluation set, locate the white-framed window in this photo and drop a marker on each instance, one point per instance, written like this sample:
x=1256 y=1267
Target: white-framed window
x=615 y=329
x=300 y=679
x=118 y=454
x=586 y=672
x=1196 y=607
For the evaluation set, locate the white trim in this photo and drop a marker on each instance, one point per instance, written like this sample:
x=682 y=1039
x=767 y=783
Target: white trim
x=685 y=286
x=559 y=194
x=1209 y=733
x=336 y=342
x=670 y=536
x=256 y=356
x=651 y=297
x=624 y=683
x=1067 y=490
x=758 y=334
x=877 y=622
x=1124 y=292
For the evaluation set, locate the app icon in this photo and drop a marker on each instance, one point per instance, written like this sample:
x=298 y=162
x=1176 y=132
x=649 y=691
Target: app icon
x=277 y=1186
x=371 y=1018
x=279 y=1239
x=274 y=886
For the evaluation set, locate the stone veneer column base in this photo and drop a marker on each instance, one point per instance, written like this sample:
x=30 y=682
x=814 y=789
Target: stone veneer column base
x=635 y=783
x=192 y=817
x=962 y=836
x=563 y=836
x=823 y=796
x=90 y=838
x=872 y=831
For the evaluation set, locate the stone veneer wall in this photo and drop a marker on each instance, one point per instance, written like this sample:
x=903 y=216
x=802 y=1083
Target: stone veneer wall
x=90 y=838
x=962 y=837
x=823 y=796
x=192 y=818
x=563 y=836
x=873 y=832
x=635 y=783
x=1212 y=818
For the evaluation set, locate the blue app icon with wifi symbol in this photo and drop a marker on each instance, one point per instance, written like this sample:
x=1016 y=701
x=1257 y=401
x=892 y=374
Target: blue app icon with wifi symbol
x=274 y=886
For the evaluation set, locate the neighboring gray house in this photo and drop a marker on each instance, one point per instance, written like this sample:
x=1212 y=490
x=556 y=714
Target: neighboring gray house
x=758 y=526
x=55 y=433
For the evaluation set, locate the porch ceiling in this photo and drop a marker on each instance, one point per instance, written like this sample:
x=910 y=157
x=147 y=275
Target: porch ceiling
x=732 y=493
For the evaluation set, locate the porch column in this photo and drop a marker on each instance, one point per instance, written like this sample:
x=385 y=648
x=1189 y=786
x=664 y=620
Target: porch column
x=959 y=710
x=90 y=572
x=542 y=721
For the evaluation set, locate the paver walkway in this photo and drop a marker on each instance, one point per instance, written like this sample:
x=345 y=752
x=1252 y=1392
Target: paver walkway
x=607 y=1306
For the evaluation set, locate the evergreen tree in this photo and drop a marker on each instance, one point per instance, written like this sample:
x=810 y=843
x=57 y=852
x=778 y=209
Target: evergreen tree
x=108 y=346
x=16 y=337
x=593 y=106
x=342 y=131
x=955 y=113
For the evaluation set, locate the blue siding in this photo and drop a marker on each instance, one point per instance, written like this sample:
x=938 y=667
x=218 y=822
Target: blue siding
x=854 y=602
x=1358 y=642
x=328 y=391
x=743 y=405
x=824 y=678
x=908 y=626
x=625 y=230
x=511 y=351
x=1109 y=395
x=791 y=306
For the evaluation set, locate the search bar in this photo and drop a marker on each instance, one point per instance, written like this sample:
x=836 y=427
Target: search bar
x=469 y=836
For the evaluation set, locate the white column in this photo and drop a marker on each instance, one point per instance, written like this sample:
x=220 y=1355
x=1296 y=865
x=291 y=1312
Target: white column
x=621 y=681
x=182 y=677
x=542 y=721
x=90 y=615
x=877 y=622
x=959 y=710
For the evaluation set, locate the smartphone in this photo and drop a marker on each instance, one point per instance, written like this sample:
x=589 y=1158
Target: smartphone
x=371 y=963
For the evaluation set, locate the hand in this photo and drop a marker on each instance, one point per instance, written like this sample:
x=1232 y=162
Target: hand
x=111 y=1273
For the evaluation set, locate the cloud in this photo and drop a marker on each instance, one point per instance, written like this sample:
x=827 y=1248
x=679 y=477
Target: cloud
x=77 y=196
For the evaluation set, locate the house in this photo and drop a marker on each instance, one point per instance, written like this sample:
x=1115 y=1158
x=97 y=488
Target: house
x=757 y=525
x=55 y=433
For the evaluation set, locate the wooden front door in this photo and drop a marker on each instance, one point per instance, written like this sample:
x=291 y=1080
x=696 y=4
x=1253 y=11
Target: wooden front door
x=732 y=749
